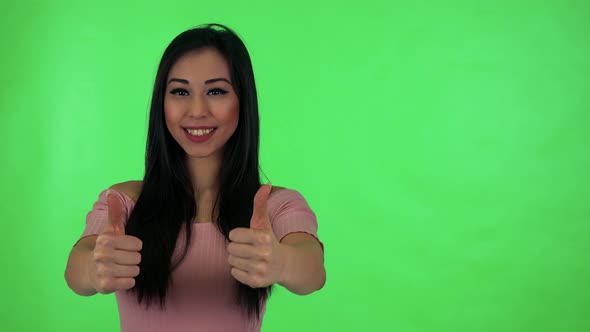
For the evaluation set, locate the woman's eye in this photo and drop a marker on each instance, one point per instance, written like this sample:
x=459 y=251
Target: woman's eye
x=216 y=91
x=179 y=92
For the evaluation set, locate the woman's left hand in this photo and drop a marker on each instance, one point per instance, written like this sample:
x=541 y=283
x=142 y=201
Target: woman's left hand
x=255 y=255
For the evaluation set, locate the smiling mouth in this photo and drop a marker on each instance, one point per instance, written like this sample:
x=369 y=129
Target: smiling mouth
x=199 y=132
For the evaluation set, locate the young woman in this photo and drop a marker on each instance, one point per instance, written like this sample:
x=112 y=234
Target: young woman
x=197 y=245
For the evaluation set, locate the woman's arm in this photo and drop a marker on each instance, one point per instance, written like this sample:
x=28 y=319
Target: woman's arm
x=304 y=270
x=259 y=259
x=77 y=268
x=106 y=262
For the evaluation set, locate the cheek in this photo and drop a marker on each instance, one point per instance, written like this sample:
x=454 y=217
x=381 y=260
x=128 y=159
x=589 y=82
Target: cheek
x=229 y=115
x=235 y=118
x=234 y=115
x=168 y=121
x=170 y=116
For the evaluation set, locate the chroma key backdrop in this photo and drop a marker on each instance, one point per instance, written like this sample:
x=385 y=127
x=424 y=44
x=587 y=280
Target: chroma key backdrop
x=444 y=146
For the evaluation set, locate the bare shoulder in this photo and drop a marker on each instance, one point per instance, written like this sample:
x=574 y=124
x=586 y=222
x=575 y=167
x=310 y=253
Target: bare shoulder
x=129 y=188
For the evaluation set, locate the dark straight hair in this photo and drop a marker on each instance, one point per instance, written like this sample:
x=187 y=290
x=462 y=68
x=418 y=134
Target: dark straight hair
x=167 y=201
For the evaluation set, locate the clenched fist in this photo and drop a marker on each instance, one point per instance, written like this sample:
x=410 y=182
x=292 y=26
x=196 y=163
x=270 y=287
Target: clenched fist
x=116 y=256
x=255 y=254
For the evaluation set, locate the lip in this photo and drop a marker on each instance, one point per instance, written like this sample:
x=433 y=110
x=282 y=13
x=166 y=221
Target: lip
x=199 y=139
x=201 y=127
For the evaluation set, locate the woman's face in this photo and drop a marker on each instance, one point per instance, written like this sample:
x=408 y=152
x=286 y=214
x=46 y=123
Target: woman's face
x=200 y=105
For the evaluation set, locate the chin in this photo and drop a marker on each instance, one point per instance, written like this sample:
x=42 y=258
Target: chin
x=202 y=154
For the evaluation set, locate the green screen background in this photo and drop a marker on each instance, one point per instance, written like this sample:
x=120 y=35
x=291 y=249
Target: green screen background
x=442 y=144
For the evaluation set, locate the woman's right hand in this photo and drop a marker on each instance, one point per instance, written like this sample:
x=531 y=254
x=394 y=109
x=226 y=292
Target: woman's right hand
x=114 y=262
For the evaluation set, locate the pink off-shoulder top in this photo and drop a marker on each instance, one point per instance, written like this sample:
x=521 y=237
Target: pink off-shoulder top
x=202 y=295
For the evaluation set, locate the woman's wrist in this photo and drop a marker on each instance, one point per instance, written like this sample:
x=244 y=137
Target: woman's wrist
x=87 y=281
x=299 y=271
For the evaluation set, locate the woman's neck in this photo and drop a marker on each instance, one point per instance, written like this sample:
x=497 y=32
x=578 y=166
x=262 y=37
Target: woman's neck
x=204 y=173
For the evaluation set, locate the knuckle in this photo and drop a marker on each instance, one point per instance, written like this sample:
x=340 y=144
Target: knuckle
x=265 y=255
x=100 y=240
x=105 y=285
x=95 y=256
x=263 y=238
x=104 y=240
x=98 y=269
x=99 y=256
x=236 y=274
x=261 y=269
x=102 y=270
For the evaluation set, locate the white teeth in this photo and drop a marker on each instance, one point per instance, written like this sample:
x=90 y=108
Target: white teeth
x=199 y=132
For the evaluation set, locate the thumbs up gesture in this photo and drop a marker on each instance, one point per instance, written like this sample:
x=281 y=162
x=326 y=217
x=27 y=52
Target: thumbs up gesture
x=115 y=257
x=255 y=254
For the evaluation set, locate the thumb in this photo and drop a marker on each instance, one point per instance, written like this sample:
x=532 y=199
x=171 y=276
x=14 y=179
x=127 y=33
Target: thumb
x=260 y=218
x=116 y=213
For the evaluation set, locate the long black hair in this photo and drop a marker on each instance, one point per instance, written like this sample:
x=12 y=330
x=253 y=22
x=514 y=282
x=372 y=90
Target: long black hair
x=167 y=200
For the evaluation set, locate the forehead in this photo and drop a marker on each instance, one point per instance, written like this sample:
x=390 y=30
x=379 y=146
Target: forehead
x=200 y=65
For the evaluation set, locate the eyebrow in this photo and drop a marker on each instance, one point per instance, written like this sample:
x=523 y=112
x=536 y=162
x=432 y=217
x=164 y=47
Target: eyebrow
x=209 y=81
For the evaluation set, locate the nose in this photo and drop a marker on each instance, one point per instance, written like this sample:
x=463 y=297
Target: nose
x=198 y=108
